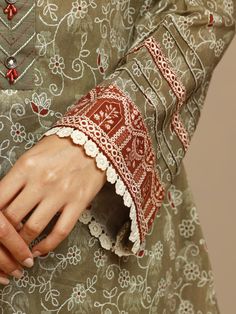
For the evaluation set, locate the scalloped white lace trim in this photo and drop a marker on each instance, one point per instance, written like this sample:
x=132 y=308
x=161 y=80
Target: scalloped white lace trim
x=92 y=150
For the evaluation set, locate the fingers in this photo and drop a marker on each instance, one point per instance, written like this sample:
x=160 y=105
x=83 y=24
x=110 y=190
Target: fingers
x=39 y=219
x=7 y=265
x=11 y=240
x=10 y=185
x=60 y=231
x=22 y=205
x=3 y=278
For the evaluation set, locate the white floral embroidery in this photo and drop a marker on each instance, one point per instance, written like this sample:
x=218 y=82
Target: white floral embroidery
x=74 y=255
x=56 y=64
x=168 y=41
x=186 y=228
x=191 y=271
x=124 y=278
x=79 y=8
x=186 y=307
x=79 y=293
x=18 y=132
x=100 y=258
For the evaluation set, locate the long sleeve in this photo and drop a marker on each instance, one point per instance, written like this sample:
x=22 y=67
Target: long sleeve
x=139 y=121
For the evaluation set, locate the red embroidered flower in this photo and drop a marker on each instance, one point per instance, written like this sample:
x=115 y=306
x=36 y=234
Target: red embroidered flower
x=40 y=104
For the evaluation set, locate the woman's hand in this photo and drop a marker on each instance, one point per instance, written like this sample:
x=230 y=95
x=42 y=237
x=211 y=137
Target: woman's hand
x=54 y=175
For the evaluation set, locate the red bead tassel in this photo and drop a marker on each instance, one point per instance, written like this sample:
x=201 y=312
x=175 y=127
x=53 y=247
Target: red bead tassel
x=12 y=74
x=10 y=10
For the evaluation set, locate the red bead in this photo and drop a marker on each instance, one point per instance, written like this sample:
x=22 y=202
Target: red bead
x=10 y=10
x=12 y=74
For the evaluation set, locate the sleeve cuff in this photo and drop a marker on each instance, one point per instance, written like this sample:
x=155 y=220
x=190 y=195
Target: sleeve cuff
x=127 y=157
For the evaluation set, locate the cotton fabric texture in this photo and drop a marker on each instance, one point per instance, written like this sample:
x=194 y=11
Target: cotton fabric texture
x=125 y=79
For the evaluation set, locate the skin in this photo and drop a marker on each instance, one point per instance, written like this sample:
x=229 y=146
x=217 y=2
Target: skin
x=53 y=176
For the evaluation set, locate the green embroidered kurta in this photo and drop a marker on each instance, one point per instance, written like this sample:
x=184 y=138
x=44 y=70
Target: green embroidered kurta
x=126 y=79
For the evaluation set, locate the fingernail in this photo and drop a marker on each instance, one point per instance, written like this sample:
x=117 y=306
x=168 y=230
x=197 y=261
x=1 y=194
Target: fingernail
x=4 y=280
x=17 y=273
x=36 y=253
x=28 y=262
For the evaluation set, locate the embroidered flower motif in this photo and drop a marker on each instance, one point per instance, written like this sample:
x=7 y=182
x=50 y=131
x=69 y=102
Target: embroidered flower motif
x=74 y=255
x=145 y=7
x=219 y=47
x=79 y=293
x=172 y=251
x=18 y=132
x=186 y=228
x=100 y=258
x=186 y=307
x=56 y=64
x=79 y=8
x=95 y=228
x=40 y=104
x=136 y=70
x=191 y=271
x=161 y=287
x=184 y=23
x=124 y=278
x=229 y=7
x=168 y=41
x=174 y=196
x=158 y=250
x=102 y=60
x=23 y=281
x=170 y=160
x=113 y=35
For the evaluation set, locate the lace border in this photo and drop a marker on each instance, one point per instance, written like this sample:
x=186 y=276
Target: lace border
x=91 y=149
